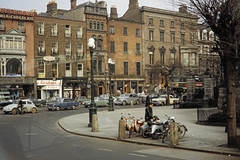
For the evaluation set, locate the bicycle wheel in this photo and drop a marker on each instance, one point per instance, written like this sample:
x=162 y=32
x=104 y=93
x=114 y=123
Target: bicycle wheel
x=166 y=135
x=181 y=131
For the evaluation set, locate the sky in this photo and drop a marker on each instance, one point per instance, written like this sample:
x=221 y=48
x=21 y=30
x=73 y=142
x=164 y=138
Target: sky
x=121 y=5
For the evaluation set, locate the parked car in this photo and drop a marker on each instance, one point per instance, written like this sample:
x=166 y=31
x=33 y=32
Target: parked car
x=99 y=101
x=28 y=106
x=162 y=100
x=51 y=101
x=63 y=103
x=125 y=99
x=5 y=103
x=81 y=99
x=37 y=102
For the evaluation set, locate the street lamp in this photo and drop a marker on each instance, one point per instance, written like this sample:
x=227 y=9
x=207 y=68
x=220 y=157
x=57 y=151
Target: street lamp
x=110 y=63
x=92 y=109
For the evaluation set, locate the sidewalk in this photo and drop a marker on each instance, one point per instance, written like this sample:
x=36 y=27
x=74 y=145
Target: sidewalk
x=198 y=137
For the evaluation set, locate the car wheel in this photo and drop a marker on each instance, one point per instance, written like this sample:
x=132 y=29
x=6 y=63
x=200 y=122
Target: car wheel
x=124 y=103
x=58 y=108
x=74 y=107
x=34 y=110
x=14 y=111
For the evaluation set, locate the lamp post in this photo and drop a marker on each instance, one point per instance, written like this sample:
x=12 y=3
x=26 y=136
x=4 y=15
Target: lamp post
x=110 y=63
x=92 y=109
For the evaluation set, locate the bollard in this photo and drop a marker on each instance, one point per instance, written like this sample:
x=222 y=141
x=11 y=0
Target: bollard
x=94 y=123
x=121 y=129
x=131 y=103
x=173 y=134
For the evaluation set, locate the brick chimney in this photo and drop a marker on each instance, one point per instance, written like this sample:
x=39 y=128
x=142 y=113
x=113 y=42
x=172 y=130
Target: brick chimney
x=52 y=7
x=133 y=4
x=73 y=4
x=183 y=9
x=113 y=13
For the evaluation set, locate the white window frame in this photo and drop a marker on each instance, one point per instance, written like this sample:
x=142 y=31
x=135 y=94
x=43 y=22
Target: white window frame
x=112 y=29
x=54 y=29
x=67 y=31
x=41 y=46
x=79 y=32
x=68 y=69
x=68 y=48
x=54 y=47
x=40 y=28
x=79 y=70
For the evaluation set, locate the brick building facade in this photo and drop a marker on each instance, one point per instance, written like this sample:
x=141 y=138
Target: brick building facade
x=17 y=78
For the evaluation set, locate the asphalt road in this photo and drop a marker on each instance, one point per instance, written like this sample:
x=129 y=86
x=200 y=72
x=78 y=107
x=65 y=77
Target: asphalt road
x=38 y=137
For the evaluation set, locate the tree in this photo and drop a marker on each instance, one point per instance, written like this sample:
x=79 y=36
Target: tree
x=164 y=69
x=223 y=17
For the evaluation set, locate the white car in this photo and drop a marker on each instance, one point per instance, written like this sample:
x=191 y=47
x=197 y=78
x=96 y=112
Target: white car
x=28 y=106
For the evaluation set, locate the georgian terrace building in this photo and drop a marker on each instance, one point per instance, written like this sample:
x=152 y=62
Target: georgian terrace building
x=167 y=35
x=60 y=57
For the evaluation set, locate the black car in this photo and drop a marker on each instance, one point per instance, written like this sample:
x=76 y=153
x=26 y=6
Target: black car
x=4 y=103
x=38 y=103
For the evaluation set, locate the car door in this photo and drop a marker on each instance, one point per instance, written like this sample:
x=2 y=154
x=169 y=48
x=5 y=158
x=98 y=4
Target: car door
x=65 y=103
x=26 y=105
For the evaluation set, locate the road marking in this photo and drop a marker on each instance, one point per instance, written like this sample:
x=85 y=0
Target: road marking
x=30 y=134
x=137 y=155
x=103 y=149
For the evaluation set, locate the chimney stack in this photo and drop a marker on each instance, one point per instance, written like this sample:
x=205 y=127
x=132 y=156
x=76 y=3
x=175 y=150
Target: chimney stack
x=113 y=13
x=133 y=4
x=73 y=4
x=52 y=7
x=183 y=9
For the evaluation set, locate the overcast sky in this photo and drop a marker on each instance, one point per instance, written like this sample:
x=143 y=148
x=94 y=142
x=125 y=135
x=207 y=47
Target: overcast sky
x=121 y=5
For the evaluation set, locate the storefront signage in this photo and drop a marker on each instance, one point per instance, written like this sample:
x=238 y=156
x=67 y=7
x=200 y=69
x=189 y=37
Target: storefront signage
x=198 y=84
x=16 y=14
x=48 y=82
x=49 y=58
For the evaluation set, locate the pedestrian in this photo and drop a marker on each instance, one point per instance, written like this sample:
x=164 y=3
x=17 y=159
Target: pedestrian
x=149 y=112
x=147 y=100
x=20 y=105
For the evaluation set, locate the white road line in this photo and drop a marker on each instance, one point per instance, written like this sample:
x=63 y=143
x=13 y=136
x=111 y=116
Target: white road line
x=137 y=155
x=103 y=149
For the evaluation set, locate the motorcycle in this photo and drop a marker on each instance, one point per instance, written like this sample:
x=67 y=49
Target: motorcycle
x=159 y=130
x=132 y=124
x=147 y=127
x=135 y=126
x=182 y=129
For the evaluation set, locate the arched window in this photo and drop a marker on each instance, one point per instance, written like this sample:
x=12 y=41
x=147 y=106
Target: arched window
x=14 y=67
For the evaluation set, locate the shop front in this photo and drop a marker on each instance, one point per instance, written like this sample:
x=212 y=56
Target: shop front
x=11 y=88
x=48 y=89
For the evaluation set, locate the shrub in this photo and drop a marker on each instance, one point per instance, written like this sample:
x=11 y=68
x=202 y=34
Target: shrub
x=217 y=117
x=221 y=117
x=190 y=104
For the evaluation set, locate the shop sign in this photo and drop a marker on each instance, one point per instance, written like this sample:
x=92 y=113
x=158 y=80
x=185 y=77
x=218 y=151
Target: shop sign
x=48 y=82
x=198 y=84
x=16 y=14
x=49 y=58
